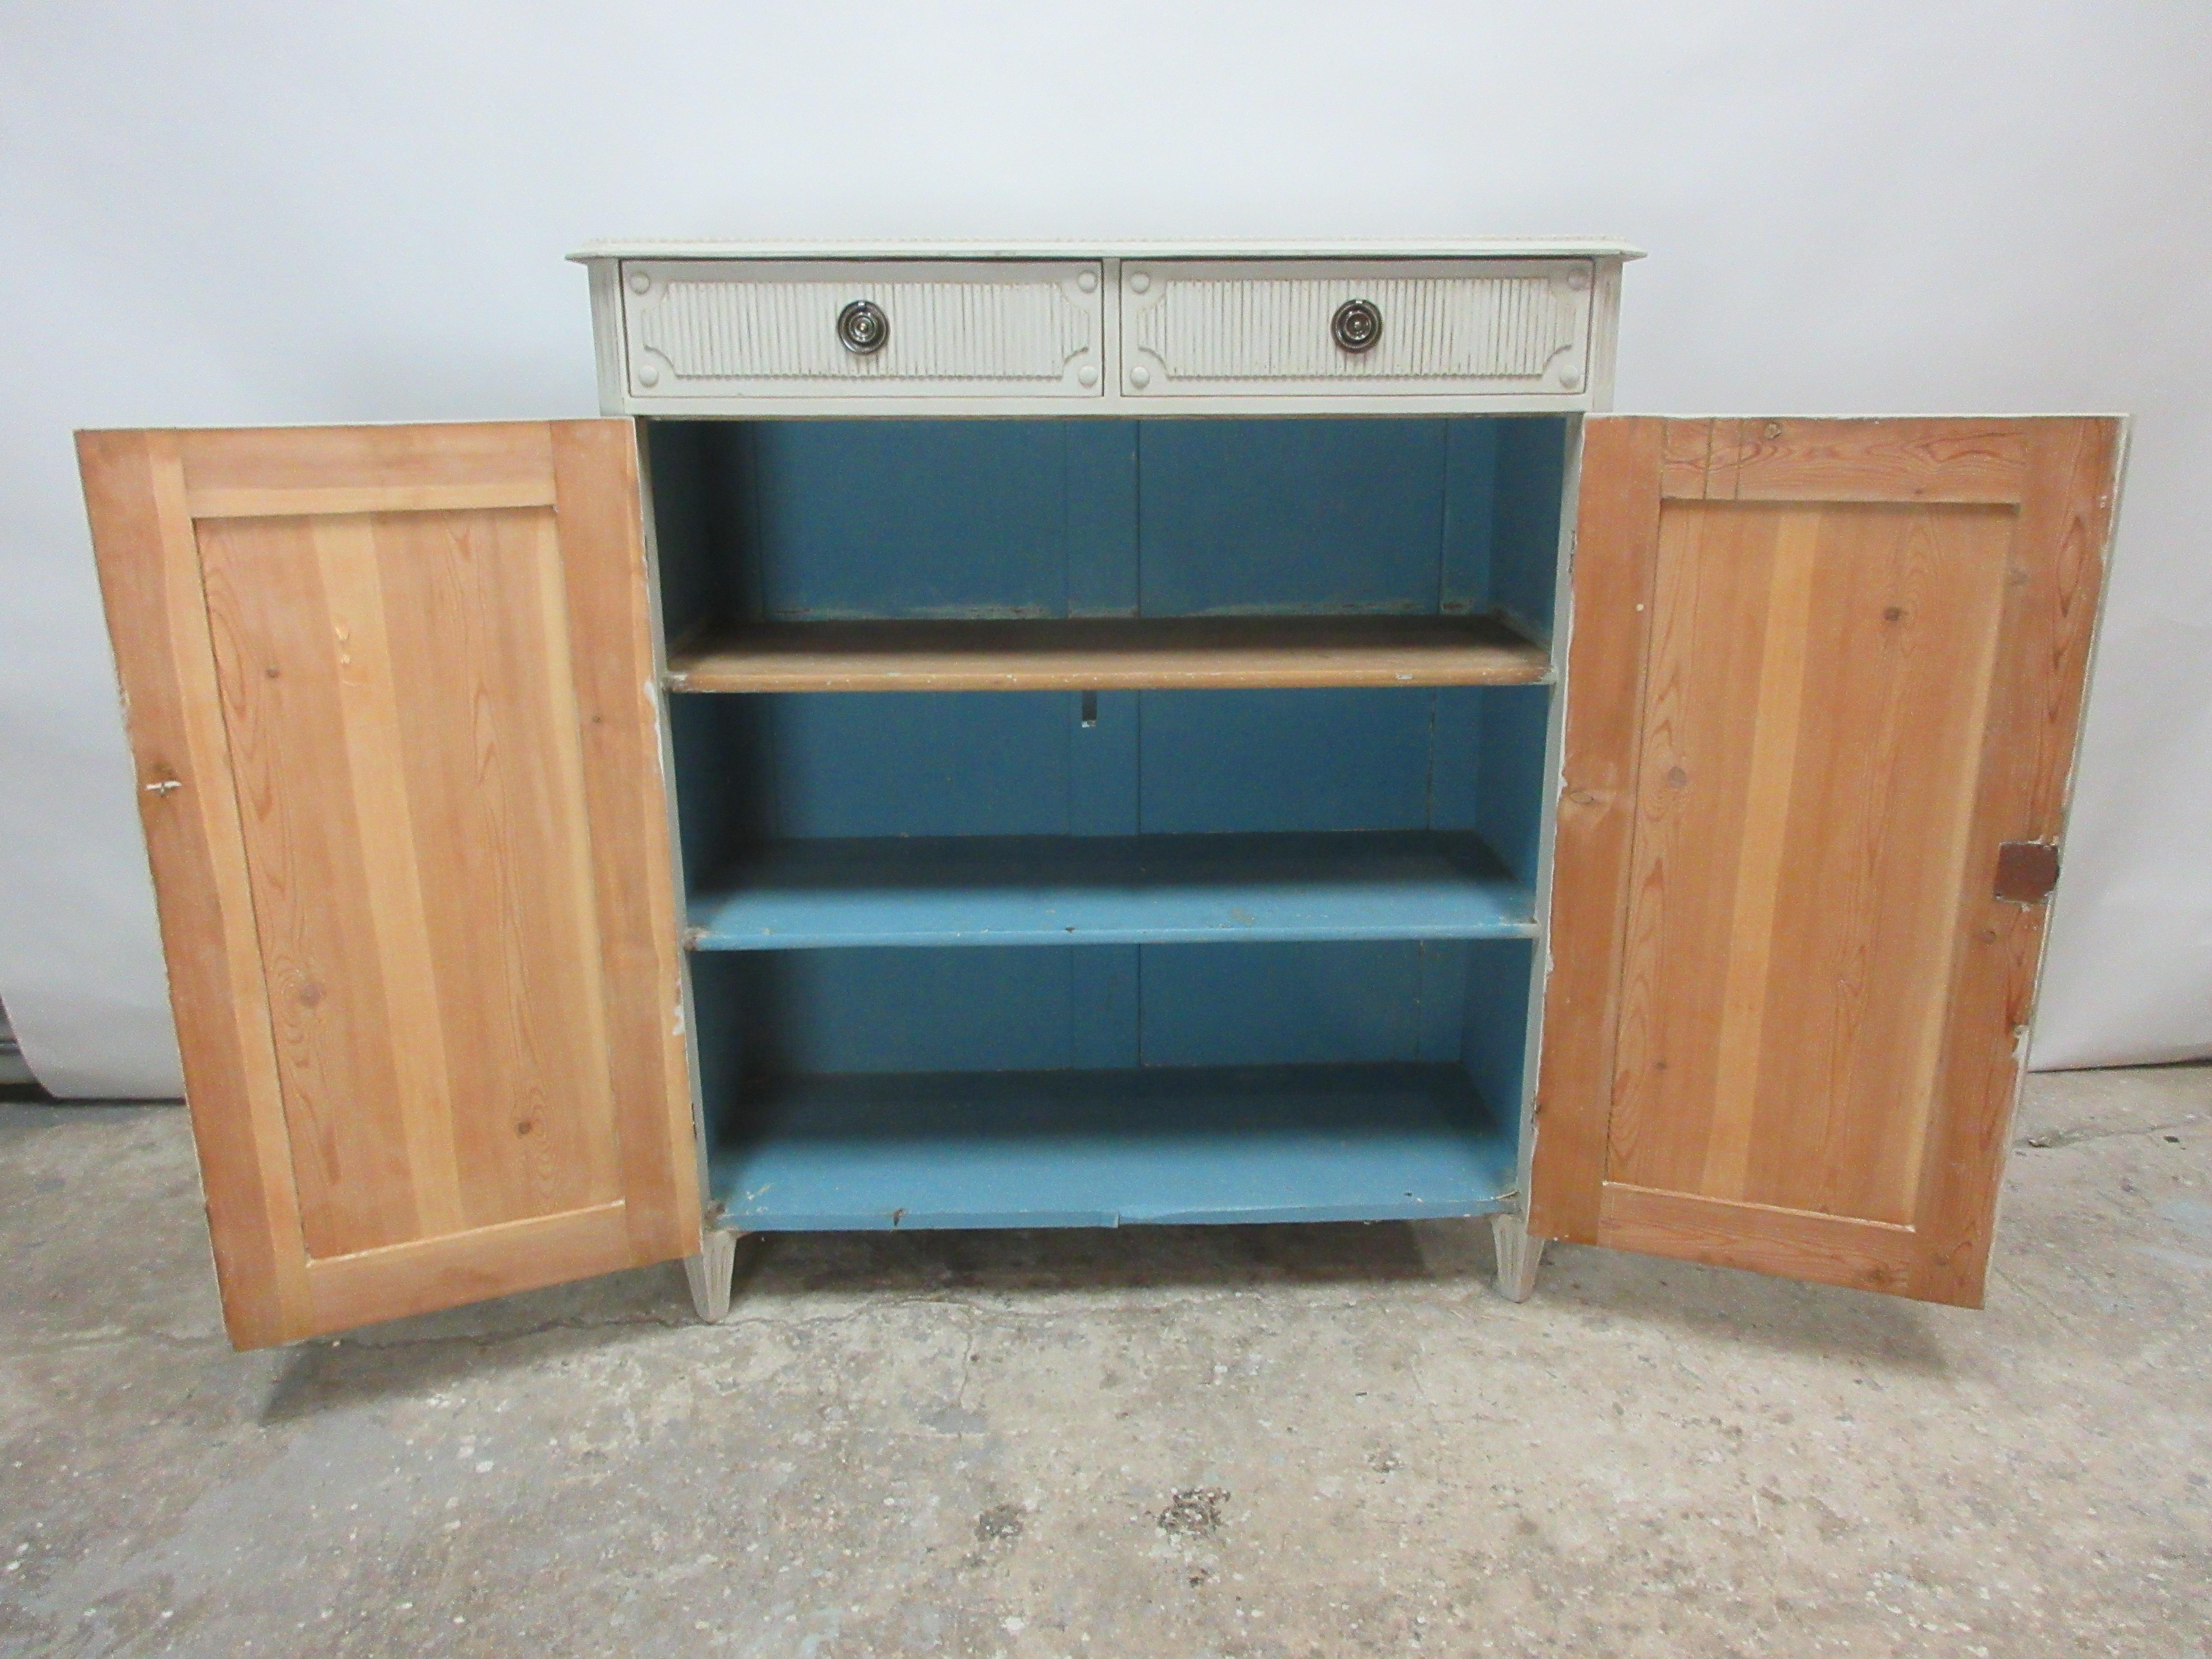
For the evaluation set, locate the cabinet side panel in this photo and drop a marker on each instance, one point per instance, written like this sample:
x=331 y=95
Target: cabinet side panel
x=1615 y=560
x=157 y=619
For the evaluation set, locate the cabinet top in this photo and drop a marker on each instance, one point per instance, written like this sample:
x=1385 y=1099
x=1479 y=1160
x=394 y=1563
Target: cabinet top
x=1478 y=247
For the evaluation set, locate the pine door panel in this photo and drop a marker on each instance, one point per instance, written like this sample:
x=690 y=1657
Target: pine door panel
x=1842 y=668
x=391 y=695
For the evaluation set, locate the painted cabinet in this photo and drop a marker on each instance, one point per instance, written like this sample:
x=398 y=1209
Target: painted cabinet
x=894 y=779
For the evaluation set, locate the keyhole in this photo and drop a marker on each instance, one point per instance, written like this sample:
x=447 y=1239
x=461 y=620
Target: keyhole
x=1090 y=709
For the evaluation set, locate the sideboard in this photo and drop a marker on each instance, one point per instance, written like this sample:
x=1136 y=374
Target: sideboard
x=1070 y=735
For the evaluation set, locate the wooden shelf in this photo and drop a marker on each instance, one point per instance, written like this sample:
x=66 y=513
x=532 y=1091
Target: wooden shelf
x=1108 y=654
x=1117 y=890
x=1112 y=1148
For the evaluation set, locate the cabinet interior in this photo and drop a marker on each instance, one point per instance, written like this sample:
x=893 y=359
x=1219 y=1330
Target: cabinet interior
x=1064 y=953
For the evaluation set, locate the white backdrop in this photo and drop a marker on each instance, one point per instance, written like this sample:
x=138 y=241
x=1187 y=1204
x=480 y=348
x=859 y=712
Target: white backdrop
x=273 y=212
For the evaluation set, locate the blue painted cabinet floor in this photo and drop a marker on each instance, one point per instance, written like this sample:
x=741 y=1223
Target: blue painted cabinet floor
x=1103 y=1149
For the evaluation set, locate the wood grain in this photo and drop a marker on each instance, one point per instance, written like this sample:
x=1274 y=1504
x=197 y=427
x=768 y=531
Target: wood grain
x=1867 y=1255
x=514 y=457
x=1804 y=799
x=1945 y=459
x=1686 y=457
x=424 y=822
x=222 y=502
x=2054 y=586
x=609 y=603
x=1615 y=557
x=1091 y=654
x=1855 y=685
x=424 y=1275
x=157 y=620
x=314 y=909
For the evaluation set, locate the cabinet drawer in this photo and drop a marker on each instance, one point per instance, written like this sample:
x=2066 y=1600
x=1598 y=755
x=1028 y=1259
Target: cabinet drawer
x=781 y=329
x=1446 y=327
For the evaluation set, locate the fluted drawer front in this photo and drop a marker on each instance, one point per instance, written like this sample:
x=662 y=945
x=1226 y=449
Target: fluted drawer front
x=711 y=328
x=1193 y=327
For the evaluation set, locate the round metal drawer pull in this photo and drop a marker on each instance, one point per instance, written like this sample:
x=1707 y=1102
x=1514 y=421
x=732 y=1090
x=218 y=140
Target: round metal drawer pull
x=862 y=328
x=1357 y=325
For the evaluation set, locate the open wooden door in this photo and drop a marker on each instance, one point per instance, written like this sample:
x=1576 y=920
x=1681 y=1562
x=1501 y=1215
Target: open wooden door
x=1824 y=681
x=390 y=691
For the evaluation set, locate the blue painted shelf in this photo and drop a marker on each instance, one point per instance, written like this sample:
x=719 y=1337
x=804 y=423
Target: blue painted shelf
x=1117 y=889
x=1112 y=1148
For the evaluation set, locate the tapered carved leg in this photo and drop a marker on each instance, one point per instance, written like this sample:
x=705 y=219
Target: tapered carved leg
x=709 y=1273
x=1518 y=1256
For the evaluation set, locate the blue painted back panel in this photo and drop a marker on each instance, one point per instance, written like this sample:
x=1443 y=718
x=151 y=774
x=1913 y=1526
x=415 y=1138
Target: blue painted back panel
x=1333 y=517
x=709 y=780
x=1532 y=467
x=904 y=517
x=1101 y=518
x=690 y=527
x=1102 y=764
x=785 y=1014
x=1238 y=761
x=836 y=519
x=795 y=766
x=918 y=763
x=1470 y=513
x=1456 y=779
x=1264 y=1004
x=1494 y=1032
x=718 y=1020
x=813 y=520
x=803 y=1013
x=1105 y=1013
x=1509 y=799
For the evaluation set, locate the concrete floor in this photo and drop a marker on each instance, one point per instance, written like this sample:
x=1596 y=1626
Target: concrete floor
x=1263 y=1441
